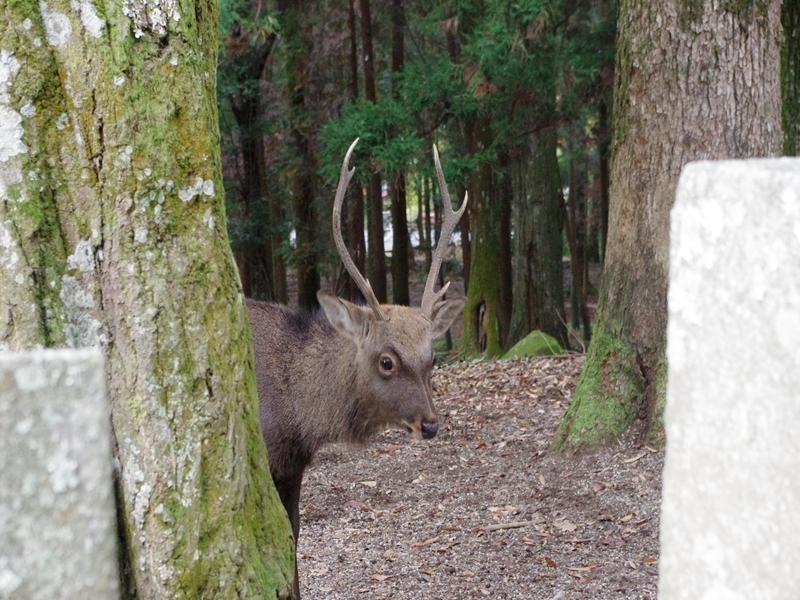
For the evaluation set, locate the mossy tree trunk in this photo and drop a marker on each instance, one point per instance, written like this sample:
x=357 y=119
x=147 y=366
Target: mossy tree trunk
x=487 y=313
x=693 y=81
x=112 y=233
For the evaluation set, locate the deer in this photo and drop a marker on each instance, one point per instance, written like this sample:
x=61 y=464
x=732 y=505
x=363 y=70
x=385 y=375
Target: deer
x=347 y=371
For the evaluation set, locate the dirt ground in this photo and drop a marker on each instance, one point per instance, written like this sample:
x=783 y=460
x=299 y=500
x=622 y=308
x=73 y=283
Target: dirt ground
x=483 y=510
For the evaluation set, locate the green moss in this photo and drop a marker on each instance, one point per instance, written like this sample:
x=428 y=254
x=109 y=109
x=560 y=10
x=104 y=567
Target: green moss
x=536 y=343
x=655 y=432
x=608 y=396
x=136 y=409
x=690 y=12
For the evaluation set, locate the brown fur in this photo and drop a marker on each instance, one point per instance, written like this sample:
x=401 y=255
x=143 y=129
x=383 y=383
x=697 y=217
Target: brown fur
x=321 y=378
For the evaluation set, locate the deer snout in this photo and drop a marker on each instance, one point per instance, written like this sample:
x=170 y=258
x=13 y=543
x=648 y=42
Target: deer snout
x=429 y=429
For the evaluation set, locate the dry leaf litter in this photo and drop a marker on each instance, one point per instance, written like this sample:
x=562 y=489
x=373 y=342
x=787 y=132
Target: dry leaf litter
x=483 y=510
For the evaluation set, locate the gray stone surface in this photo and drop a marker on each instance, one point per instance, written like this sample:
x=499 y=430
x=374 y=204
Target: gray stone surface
x=57 y=519
x=730 y=523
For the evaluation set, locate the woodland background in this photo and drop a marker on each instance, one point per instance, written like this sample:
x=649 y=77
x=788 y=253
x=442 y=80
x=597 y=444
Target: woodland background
x=516 y=96
x=568 y=123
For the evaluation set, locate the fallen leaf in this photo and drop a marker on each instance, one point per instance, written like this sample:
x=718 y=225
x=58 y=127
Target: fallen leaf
x=626 y=518
x=634 y=459
x=650 y=560
x=319 y=570
x=427 y=570
x=379 y=577
x=390 y=448
x=427 y=542
x=550 y=562
x=587 y=569
x=566 y=525
x=369 y=483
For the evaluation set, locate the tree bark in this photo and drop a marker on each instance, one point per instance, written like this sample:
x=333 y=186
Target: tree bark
x=538 y=217
x=113 y=233
x=790 y=77
x=692 y=81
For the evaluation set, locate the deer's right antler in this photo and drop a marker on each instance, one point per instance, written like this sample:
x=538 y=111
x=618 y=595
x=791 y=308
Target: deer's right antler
x=429 y=297
x=361 y=282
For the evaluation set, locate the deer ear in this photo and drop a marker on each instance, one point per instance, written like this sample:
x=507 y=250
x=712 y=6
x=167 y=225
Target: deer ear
x=444 y=313
x=349 y=319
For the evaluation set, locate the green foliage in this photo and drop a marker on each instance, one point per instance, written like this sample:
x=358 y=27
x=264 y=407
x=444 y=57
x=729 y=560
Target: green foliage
x=387 y=140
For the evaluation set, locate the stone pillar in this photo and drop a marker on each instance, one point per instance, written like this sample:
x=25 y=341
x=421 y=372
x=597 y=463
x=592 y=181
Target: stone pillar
x=57 y=515
x=730 y=522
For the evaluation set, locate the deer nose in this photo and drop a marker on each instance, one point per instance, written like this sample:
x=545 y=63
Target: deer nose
x=429 y=429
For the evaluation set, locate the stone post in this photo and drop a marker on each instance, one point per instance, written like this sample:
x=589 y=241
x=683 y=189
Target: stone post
x=57 y=515
x=730 y=523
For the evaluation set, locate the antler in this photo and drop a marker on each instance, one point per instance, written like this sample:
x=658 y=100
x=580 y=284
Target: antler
x=429 y=298
x=361 y=282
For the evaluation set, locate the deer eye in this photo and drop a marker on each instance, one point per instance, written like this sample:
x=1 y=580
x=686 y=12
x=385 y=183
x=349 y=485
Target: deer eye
x=386 y=362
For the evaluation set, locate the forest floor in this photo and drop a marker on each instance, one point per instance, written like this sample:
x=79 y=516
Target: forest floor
x=484 y=510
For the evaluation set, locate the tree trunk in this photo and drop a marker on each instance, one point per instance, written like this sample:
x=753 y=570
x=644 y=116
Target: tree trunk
x=303 y=173
x=603 y=151
x=428 y=185
x=485 y=323
x=401 y=244
x=353 y=207
x=575 y=219
x=538 y=217
x=790 y=77
x=693 y=81
x=376 y=255
x=112 y=224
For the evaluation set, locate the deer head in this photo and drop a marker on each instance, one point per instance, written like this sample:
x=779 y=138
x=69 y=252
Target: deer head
x=395 y=343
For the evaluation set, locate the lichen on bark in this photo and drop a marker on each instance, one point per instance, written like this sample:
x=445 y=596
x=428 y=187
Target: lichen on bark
x=119 y=221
